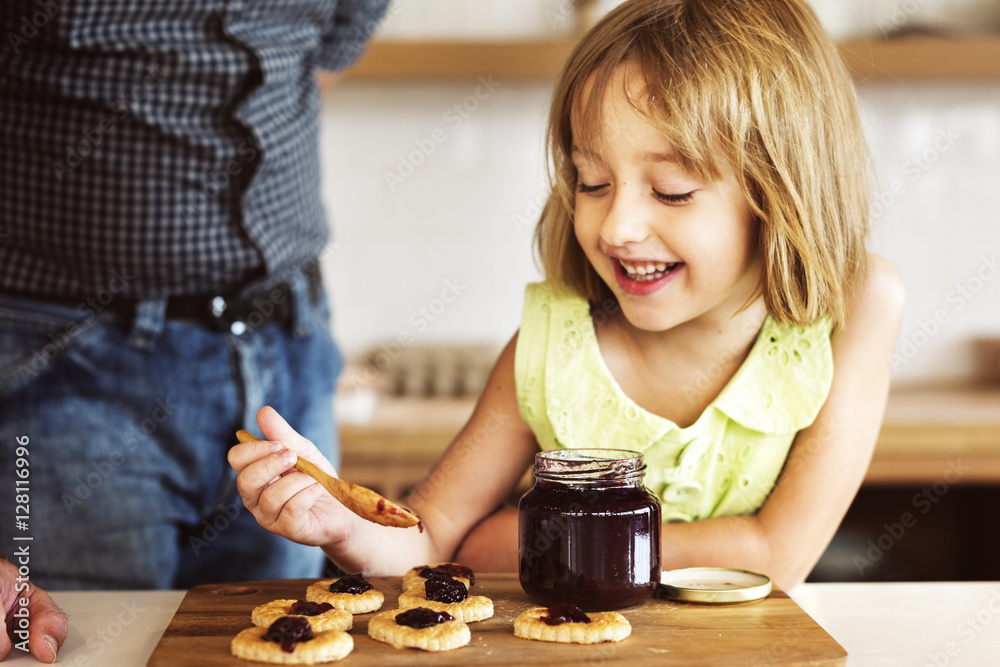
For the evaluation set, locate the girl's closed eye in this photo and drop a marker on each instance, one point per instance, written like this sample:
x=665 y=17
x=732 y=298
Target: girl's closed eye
x=590 y=189
x=680 y=198
x=674 y=199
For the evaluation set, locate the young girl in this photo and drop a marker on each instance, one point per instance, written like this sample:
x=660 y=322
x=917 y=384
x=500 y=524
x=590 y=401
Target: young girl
x=708 y=302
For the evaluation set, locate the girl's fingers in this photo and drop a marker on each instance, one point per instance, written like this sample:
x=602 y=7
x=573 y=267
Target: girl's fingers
x=274 y=427
x=274 y=499
x=243 y=454
x=255 y=477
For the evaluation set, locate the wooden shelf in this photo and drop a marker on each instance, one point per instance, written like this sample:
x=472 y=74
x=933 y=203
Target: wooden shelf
x=913 y=58
x=923 y=58
x=426 y=60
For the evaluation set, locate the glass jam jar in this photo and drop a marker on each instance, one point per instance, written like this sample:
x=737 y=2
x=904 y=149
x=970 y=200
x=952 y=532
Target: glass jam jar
x=589 y=531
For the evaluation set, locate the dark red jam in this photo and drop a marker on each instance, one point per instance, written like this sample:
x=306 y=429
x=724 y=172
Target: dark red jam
x=350 y=583
x=565 y=613
x=422 y=617
x=450 y=569
x=307 y=608
x=442 y=588
x=288 y=631
x=589 y=532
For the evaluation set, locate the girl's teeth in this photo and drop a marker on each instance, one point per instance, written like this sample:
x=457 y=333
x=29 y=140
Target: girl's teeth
x=646 y=272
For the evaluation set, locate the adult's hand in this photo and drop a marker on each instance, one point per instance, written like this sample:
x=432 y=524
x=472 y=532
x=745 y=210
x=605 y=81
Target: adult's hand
x=37 y=620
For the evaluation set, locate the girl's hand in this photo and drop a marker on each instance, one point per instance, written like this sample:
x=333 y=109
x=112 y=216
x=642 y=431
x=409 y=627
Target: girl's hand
x=282 y=499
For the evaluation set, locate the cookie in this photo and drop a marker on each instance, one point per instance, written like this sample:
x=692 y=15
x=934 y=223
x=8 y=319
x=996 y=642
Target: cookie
x=602 y=626
x=363 y=602
x=449 y=595
x=329 y=619
x=325 y=646
x=444 y=636
x=416 y=575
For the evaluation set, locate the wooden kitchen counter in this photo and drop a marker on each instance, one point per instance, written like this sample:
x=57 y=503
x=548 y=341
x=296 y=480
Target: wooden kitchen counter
x=928 y=435
x=877 y=623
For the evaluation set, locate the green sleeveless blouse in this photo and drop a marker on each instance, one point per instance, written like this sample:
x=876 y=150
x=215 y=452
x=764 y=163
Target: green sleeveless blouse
x=724 y=464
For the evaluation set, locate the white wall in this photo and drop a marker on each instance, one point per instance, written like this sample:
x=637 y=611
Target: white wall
x=937 y=217
x=454 y=237
x=456 y=218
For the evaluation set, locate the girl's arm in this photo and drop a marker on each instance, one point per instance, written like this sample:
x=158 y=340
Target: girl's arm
x=827 y=462
x=472 y=477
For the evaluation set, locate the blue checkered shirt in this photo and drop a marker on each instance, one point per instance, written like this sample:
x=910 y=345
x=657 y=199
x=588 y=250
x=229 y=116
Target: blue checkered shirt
x=172 y=142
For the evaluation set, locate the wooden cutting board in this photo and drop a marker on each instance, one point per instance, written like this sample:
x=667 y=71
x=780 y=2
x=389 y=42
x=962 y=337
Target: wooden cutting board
x=773 y=631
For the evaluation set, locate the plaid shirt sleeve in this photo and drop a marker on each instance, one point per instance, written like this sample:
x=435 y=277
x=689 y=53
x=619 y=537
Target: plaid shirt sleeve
x=354 y=22
x=172 y=143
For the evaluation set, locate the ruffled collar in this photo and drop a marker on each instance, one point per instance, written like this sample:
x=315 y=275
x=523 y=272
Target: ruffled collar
x=779 y=388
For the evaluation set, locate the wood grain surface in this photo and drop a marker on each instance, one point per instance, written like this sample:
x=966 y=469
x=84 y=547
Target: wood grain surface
x=774 y=631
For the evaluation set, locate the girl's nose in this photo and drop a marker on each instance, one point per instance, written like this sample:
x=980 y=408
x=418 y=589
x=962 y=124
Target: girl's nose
x=624 y=222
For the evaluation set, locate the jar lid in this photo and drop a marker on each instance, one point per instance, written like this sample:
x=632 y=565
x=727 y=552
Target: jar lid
x=584 y=466
x=714 y=585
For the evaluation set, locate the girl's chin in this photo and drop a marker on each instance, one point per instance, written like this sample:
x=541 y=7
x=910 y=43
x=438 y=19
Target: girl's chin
x=650 y=320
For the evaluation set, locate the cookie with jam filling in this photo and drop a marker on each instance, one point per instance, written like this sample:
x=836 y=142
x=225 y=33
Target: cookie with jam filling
x=351 y=593
x=443 y=593
x=568 y=624
x=291 y=641
x=320 y=615
x=416 y=575
x=421 y=628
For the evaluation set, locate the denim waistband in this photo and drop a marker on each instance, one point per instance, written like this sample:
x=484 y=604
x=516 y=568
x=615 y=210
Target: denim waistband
x=284 y=297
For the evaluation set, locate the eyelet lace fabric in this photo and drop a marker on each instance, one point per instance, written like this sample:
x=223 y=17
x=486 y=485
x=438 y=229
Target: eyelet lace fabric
x=724 y=464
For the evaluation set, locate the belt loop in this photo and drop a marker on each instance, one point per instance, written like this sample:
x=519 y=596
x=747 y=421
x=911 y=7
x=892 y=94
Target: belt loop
x=148 y=323
x=301 y=302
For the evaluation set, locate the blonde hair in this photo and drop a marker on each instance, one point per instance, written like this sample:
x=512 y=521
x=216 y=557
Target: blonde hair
x=756 y=83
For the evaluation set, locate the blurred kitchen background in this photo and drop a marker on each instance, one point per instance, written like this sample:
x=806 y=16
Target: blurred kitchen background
x=434 y=175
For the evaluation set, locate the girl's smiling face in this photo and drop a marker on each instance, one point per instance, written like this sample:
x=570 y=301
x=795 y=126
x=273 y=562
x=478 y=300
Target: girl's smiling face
x=672 y=247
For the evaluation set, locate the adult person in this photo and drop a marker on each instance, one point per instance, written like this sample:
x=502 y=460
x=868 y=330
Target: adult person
x=160 y=221
x=29 y=615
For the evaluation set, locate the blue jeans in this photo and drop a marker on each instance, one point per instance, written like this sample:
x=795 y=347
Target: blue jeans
x=127 y=425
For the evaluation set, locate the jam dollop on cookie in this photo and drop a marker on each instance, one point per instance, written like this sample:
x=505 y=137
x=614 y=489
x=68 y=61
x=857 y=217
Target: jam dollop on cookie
x=442 y=588
x=422 y=617
x=307 y=608
x=288 y=631
x=450 y=569
x=350 y=583
x=564 y=612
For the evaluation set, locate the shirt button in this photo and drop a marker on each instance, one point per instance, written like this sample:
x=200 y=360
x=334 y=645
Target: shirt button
x=683 y=492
